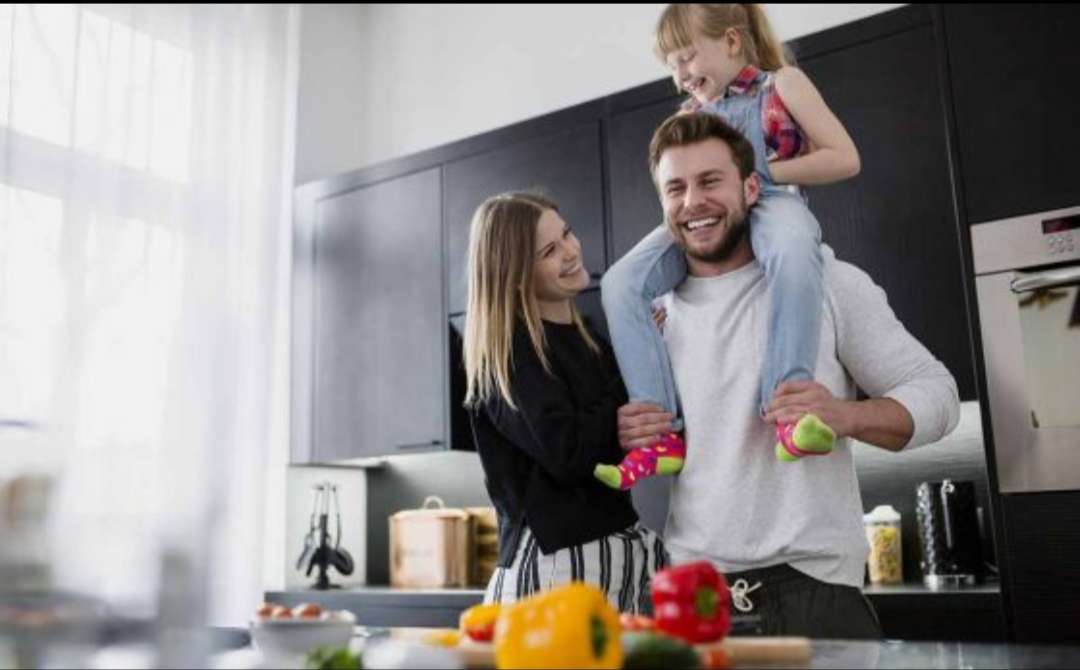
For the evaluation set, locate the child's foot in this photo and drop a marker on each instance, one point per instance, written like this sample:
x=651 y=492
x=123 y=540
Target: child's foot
x=663 y=457
x=809 y=437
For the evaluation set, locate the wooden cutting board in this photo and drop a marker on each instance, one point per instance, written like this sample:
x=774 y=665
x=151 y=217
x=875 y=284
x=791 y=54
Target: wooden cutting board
x=740 y=650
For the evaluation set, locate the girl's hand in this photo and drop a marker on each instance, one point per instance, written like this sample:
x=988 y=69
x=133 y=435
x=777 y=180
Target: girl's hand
x=659 y=316
x=689 y=106
x=641 y=424
x=795 y=399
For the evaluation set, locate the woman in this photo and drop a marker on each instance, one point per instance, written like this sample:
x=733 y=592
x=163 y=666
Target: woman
x=543 y=393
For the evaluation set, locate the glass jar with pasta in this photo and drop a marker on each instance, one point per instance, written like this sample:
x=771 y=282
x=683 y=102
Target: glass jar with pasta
x=885 y=561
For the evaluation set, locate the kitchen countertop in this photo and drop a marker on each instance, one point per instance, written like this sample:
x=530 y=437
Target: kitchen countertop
x=909 y=611
x=829 y=654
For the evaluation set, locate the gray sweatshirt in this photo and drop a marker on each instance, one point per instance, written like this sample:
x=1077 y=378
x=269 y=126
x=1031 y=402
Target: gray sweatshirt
x=734 y=504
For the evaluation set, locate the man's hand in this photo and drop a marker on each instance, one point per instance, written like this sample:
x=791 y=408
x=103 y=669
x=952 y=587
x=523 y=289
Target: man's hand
x=641 y=424
x=797 y=398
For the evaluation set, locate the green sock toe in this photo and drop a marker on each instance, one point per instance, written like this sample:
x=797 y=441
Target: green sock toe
x=669 y=465
x=813 y=434
x=608 y=474
x=783 y=455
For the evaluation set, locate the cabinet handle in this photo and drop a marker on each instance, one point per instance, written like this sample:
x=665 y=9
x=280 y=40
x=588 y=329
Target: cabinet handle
x=418 y=445
x=1050 y=279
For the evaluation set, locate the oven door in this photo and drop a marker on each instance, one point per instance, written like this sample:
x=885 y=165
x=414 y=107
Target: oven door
x=1030 y=324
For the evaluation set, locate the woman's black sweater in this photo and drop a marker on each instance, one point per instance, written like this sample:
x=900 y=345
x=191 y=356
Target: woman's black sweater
x=538 y=460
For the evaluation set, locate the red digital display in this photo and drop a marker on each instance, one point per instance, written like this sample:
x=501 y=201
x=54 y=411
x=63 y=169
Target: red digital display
x=1061 y=225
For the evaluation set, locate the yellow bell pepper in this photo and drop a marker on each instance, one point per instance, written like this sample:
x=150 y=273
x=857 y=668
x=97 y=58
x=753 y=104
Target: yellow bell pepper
x=569 y=627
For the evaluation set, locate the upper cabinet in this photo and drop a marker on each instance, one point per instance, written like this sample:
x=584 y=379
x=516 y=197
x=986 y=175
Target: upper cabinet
x=1014 y=70
x=635 y=206
x=565 y=166
x=378 y=330
x=895 y=219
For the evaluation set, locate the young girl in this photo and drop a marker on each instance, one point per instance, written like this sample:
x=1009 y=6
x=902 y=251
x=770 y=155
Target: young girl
x=543 y=393
x=730 y=62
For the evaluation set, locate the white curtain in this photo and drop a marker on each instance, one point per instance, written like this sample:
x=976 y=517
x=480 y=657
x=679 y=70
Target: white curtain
x=145 y=171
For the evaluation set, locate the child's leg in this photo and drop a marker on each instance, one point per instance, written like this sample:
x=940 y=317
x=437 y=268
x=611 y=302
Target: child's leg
x=787 y=242
x=655 y=266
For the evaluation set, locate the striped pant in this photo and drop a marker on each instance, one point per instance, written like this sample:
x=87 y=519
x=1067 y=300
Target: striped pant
x=621 y=565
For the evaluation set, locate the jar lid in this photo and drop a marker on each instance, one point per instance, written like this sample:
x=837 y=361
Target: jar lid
x=882 y=514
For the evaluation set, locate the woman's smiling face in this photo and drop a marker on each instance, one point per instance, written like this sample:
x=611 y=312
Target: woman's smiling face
x=558 y=270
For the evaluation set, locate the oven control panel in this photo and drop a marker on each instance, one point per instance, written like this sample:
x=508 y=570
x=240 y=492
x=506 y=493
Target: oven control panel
x=1061 y=243
x=1029 y=241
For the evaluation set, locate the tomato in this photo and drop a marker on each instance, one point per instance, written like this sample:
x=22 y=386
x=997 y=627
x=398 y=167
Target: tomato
x=265 y=610
x=281 y=612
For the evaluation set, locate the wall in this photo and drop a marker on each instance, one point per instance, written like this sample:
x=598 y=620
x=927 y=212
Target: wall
x=438 y=73
x=329 y=128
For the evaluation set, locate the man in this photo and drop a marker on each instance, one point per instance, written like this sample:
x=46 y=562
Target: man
x=792 y=531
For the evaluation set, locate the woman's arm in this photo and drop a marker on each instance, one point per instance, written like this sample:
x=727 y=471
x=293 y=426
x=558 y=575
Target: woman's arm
x=566 y=442
x=833 y=156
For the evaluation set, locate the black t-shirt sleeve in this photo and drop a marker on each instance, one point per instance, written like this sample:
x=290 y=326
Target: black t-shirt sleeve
x=565 y=441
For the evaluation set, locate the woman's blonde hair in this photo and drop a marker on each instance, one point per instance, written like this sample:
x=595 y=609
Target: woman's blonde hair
x=680 y=22
x=502 y=250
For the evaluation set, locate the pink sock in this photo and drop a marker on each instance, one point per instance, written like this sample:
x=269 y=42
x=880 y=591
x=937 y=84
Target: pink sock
x=641 y=463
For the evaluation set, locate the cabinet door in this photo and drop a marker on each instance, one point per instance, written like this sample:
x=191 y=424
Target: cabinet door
x=635 y=207
x=565 y=166
x=895 y=219
x=379 y=338
x=1014 y=70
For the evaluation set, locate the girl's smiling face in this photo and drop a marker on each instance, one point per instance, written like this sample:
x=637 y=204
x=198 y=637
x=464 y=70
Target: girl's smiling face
x=706 y=67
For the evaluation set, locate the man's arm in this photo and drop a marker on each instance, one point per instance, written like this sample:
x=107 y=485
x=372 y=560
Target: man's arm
x=890 y=365
x=882 y=422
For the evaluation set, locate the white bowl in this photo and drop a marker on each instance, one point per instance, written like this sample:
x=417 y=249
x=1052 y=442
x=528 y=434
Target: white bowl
x=294 y=638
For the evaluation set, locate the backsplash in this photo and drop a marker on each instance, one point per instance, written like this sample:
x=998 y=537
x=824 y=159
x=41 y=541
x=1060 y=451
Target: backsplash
x=887 y=478
x=884 y=478
x=403 y=483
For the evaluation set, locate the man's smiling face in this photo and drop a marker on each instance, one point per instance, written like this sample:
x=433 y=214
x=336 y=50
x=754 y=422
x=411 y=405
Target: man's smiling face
x=705 y=200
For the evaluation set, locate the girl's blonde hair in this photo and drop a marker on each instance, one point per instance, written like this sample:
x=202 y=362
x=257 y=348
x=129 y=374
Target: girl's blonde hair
x=502 y=249
x=680 y=22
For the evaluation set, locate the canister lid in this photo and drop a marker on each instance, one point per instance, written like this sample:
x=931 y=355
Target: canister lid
x=882 y=514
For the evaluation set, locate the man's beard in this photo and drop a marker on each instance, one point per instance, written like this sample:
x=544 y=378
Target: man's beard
x=738 y=227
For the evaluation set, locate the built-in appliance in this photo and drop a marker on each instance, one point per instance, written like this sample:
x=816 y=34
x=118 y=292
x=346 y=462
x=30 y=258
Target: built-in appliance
x=1028 y=287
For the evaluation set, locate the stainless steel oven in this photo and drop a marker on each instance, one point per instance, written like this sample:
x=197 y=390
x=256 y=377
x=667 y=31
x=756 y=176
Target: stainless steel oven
x=1028 y=286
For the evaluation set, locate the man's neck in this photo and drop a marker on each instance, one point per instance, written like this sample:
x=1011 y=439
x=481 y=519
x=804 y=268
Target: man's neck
x=740 y=256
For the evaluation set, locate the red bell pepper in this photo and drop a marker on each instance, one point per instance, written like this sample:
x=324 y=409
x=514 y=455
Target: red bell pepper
x=692 y=602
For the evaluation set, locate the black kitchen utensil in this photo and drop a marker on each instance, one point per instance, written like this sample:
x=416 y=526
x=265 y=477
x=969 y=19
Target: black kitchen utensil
x=309 y=539
x=327 y=554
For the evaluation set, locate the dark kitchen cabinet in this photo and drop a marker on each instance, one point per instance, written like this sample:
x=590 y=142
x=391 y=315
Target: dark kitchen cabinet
x=1014 y=69
x=1042 y=533
x=379 y=326
x=566 y=166
x=635 y=206
x=895 y=220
